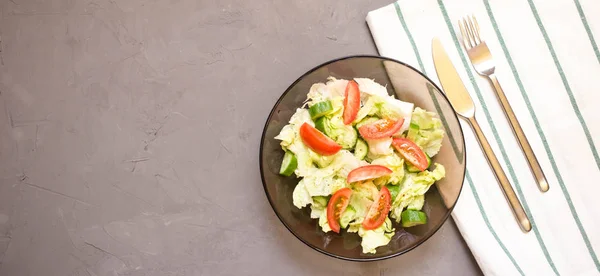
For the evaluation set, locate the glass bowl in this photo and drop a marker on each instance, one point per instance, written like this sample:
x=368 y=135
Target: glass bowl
x=407 y=84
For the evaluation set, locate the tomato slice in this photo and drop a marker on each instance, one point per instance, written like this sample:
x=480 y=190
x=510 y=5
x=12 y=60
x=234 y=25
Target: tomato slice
x=351 y=102
x=367 y=172
x=378 y=210
x=412 y=153
x=336 y=207
x=381 y=128
x=317 y=141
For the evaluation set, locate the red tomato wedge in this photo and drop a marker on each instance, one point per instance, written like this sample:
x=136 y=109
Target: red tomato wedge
x=367 y=172
x=411 y=153
x=336 y=207
x=378 y=210
x=351 y=102
x=317 y=141
x=380 y=129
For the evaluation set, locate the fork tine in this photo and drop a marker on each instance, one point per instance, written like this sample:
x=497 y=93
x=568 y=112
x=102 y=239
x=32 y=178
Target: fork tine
x=469 y=31
x=474 y=26
x=464 y=34
x=477 y=28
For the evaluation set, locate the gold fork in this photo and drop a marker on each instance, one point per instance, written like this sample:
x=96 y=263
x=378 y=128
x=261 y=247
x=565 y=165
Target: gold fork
x=482 y=61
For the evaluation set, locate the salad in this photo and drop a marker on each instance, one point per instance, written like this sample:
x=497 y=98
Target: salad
x=363 y=159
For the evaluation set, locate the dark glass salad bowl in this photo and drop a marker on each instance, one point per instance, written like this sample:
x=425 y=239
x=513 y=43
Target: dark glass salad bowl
x=407 y=84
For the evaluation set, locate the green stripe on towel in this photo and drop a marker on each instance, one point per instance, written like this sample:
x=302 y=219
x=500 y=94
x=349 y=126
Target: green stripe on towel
x=541 y=133
x=409 y=35
x=588 y=135
x=587 y=29
x=511 y=171
x=489 y=225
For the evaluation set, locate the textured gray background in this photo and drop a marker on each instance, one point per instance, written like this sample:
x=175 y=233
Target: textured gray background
x=127 y=127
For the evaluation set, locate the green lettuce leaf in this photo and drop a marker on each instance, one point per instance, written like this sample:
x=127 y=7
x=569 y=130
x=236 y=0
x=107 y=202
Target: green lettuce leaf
x=323 y=222
x=290 y=132
x=356 y=225
x=304 y=157
x=416 y=203
x=413 y=189
x=428 y=132
x=327 y=180
x=343 y=134
x=369 y=108
x=348 y=216
x=394 y=163
x=378 y=102
x=379 y=147
x=300 y=196
x=371 y=239
x=323 y=186
x=332 y=90
x=345 y=162
x=362 y=197
x=290 y=140
x=316 y=212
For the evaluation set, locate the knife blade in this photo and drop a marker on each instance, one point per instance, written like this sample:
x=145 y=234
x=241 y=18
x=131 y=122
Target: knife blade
x=462 y=103
x=451 y=82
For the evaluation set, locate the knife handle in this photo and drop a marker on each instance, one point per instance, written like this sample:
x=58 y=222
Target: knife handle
x=534 y=165
x=507 y=189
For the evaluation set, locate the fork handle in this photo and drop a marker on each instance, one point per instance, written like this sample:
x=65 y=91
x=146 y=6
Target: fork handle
x=507 y=189
x=534 y=165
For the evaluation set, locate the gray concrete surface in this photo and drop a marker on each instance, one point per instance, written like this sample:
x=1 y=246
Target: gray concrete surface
x=127 y=127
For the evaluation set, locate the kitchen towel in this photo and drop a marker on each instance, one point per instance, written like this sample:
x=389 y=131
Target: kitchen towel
x=548 y=62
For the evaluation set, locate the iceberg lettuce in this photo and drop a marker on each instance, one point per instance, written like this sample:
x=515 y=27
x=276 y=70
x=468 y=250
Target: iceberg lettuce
x=394 y=163
x=378 y=102
x=343 y=134
x=378 y=147
x=333 y=90
x=300 y=196
x=290 y=140
x=426 y=131
x=324 y=223
x=322 y=176
x=327 y=180
x=413 y=189
x=362 y=197
x=371 y=239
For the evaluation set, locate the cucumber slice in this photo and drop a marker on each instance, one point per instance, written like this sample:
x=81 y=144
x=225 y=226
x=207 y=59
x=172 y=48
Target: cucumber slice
x=289 y=164
x=347 y=216
x=320 y=160
x=320 y=201
x=346 y=137
x=361 y=149
x=412 y=218
x=323 y=125
x=320 y=109
x=413 y=169
x=365 y=121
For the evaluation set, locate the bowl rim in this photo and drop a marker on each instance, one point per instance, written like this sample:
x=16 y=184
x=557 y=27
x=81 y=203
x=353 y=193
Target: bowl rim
x=379 y=258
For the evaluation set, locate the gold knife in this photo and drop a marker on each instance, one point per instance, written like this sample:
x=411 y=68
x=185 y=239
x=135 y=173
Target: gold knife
x=463 y=105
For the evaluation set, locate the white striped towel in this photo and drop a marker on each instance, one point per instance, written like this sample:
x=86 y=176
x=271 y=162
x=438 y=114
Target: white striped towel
x=549 y=66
